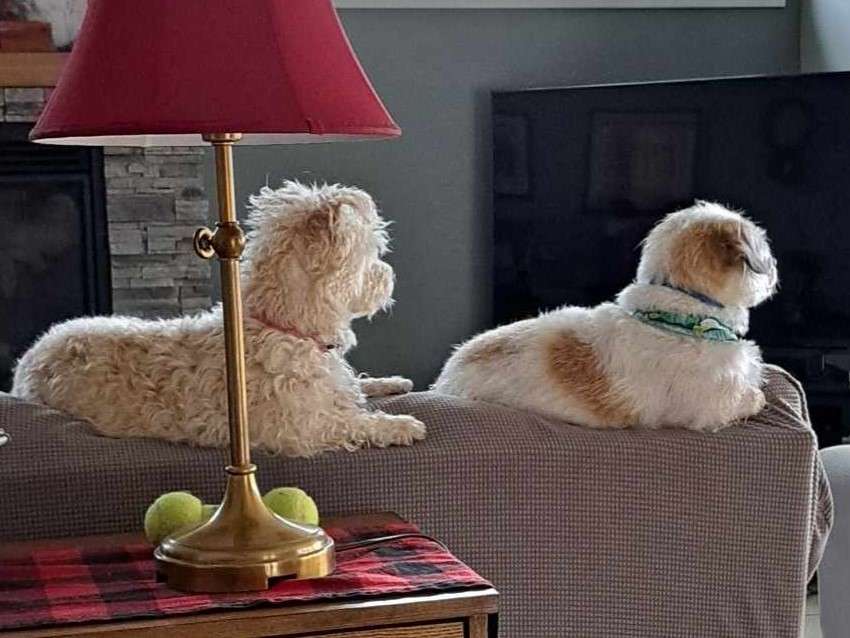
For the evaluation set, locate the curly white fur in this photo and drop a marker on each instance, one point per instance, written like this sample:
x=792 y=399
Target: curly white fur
x=602 y=367
x=312 y=265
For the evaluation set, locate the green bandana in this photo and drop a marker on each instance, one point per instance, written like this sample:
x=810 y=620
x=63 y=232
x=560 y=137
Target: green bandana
x=696 y=326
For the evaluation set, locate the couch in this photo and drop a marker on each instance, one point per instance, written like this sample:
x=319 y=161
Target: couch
x=585 y=532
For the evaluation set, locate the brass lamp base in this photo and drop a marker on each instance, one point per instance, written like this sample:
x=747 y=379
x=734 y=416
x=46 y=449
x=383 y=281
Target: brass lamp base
x=243 y=546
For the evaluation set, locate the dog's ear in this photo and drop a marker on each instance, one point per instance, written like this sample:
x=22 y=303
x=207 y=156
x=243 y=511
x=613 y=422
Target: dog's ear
x=326 y=237
x=703 y=255
x=723 y=244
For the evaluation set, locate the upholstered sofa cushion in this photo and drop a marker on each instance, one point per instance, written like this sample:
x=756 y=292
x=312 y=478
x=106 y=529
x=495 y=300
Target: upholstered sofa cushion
x=586 y=532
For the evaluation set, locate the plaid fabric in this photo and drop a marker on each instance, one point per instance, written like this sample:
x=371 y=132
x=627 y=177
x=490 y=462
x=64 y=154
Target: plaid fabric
x=585 y=533
x=71 y=585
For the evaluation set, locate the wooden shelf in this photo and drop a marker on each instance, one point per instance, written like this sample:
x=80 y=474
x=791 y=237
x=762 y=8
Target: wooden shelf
x=31 y=69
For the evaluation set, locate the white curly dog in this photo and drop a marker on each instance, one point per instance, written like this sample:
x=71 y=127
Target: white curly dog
x=312 y=265
x=669 y=352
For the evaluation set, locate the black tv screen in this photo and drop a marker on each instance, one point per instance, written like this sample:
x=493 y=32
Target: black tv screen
x=581 y=174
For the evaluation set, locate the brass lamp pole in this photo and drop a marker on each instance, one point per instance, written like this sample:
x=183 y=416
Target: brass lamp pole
x=243 y=545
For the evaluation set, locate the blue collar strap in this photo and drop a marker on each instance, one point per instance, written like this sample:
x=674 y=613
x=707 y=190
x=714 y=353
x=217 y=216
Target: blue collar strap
x=696 y=295
x=696 y=326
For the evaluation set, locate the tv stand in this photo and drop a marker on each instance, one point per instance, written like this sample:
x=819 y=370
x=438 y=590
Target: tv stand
x=825 y=375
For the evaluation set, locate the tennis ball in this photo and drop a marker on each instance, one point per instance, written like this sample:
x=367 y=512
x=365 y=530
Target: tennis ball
x=292 y=503
x=169 y=513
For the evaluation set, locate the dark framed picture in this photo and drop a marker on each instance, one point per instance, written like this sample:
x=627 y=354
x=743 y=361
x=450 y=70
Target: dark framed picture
x=641 y=161
x=511 y=173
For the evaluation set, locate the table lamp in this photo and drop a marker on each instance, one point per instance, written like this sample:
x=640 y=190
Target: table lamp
x=193 y=72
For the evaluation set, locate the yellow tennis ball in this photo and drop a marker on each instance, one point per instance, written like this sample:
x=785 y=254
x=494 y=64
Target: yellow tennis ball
x=169 y=513
x=292 y=503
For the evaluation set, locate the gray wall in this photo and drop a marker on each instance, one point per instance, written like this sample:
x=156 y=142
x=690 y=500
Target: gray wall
x=435 y=69
x=825 y=35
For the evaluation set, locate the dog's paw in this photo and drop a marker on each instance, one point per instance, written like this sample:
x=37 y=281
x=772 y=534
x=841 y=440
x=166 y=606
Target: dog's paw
x=760 y=402
x=751 y=404
x=385 y=386
x=397 y=429
x=756 y=402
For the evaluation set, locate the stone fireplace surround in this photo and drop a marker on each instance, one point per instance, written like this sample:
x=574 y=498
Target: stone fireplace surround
x=155 y=199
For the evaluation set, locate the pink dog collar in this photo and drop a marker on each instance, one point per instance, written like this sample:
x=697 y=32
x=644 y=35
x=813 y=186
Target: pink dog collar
x=292 y=331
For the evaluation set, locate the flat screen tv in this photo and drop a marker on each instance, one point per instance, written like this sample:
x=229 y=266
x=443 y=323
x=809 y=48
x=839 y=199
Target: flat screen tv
x=582 y=173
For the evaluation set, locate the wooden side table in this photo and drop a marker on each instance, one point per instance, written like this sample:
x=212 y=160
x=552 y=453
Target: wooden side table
x=460 y=615
x=464 y=614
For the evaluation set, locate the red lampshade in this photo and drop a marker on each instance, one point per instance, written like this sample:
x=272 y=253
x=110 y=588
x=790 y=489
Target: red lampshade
x=165 y=72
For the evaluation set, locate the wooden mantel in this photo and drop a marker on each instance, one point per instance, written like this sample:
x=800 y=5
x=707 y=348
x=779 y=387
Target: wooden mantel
x=22 y=70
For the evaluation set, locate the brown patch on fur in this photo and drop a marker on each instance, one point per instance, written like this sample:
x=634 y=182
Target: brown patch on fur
x=705 y=255
x=490 y=347
x=577 y=370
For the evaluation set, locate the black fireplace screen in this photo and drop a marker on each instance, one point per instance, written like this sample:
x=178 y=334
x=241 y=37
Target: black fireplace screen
x=54 y=257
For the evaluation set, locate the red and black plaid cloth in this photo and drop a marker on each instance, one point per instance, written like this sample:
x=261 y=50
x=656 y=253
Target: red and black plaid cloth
x=69 y=584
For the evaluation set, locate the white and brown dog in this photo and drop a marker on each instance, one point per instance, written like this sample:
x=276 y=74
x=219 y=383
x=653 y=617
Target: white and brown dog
x=668 y=353
x=313 y=264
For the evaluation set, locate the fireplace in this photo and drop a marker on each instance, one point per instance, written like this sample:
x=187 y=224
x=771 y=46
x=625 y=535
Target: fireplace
x=55 y=262
x=92 y=231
